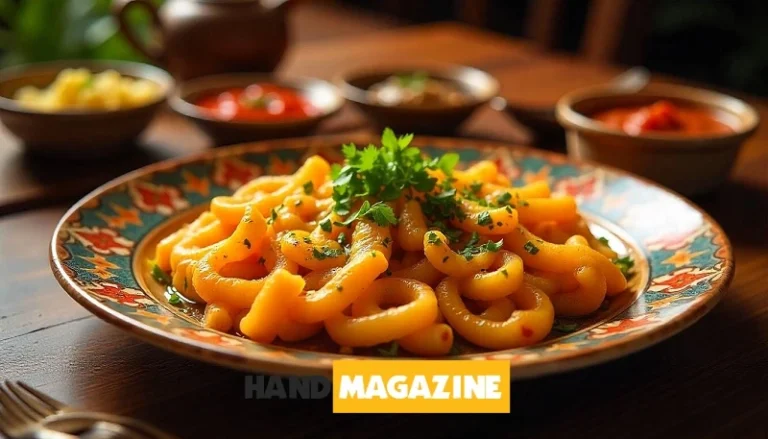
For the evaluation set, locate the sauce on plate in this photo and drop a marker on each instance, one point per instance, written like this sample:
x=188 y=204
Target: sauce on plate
x=664 y=117
x=258 y=102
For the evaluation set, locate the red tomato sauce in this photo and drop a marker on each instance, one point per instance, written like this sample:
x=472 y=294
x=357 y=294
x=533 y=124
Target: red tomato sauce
x=258 y=102
x=663 y=117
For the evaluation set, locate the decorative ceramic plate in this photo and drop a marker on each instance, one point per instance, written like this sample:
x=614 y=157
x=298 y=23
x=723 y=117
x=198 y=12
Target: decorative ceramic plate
x=100 y=247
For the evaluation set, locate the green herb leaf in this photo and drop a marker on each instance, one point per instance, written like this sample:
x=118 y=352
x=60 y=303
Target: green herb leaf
x=390 y=351
x=309 y=187
x=325 y=253
x=625 y=264
x=159 y=275
x=530 y=248
x=325 y=225
x=484 y=218
x=472 y=248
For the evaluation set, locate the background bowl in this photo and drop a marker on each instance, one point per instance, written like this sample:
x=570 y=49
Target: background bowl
x=690 y=165
x=77 y=133
x=477 y=84
x=322 y=94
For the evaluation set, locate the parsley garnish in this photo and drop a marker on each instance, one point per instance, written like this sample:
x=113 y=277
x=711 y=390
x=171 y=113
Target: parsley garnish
x=603 y=240
x=325 y=225
x=391 y=351
x=309 y=187
x=415 y=80
x=342 y=239
x=272 y=216
x=433 y=239
x=530 y=248
x=307 y=240
x=160 y=276
x=564 y=327
x=475 y=187
x=484 y=218
x=625 y=264
x=174 y=298
x=472 y=249
x=503 y=199
x=384 y=173
x=325 y=253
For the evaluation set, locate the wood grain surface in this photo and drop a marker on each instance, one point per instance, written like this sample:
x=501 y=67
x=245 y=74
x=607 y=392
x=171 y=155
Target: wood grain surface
x=709 y=381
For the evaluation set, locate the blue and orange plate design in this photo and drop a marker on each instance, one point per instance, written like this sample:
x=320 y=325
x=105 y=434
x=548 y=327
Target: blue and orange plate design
x=683 y=258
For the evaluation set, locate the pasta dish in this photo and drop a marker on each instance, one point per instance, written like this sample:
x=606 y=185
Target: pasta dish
x=391 y=247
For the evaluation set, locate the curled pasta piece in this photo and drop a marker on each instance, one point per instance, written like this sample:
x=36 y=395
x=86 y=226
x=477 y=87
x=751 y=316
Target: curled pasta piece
x=245 y=242
x=196 y=245
x=292 y=331
x=485 y=220
x=444 y=259
x=265 y=183
x=501 y=282
x=270 y=307
x=422 y=271
x=300 y=247
x=411 y=226
x=218 y=318
x=583 y=300
x=484 y=171
x=370 y=324
x=543 y=255
x=229 y=209
x=165 y=247
x=182 y=280
x=529 y=323
x=366 y=262
x=432 y=341
x=498 y=310
x=561 y=209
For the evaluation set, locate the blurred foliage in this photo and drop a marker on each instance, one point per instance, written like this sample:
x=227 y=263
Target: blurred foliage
x=44 y=30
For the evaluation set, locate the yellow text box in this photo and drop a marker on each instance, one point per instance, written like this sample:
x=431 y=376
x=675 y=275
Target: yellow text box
x=420 y=386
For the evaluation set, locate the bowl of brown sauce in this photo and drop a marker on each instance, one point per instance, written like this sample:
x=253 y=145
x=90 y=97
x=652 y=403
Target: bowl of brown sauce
x=684 y=138
x=423 y=100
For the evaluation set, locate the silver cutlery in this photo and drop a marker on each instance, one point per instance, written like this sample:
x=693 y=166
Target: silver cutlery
x=26 y=413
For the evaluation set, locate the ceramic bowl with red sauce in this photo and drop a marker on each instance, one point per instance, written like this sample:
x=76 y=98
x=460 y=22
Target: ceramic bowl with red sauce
x=684 y=138
x=234 y=108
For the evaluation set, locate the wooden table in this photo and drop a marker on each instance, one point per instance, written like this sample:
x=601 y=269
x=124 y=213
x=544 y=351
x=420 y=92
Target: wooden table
x=709 y=381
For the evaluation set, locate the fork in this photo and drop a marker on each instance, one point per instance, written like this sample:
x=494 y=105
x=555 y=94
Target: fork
x=26 y=413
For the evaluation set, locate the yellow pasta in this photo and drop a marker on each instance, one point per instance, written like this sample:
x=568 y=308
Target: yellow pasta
x=393 y=248
x=82 y=89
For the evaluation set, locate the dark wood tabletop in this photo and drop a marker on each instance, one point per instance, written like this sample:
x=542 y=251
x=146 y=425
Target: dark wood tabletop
x=708 y=381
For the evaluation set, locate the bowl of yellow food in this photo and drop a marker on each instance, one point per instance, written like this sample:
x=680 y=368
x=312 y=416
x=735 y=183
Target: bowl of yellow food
x=81 y=108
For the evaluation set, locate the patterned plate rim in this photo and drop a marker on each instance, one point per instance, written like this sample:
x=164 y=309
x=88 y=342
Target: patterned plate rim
x=281 y=365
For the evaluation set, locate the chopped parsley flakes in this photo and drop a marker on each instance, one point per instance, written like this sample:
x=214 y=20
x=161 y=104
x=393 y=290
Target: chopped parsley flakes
x=625 y=264
x=326 y=252
x=472 y=248
x=530 y=248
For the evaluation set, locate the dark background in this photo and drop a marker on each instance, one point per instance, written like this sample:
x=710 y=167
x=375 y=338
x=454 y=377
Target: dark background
x=720 y=42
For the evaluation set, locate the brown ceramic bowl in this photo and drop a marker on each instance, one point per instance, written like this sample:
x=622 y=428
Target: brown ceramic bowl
x=77 y=133
x=690 y=165
x=478 y=85
x=323 y=95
